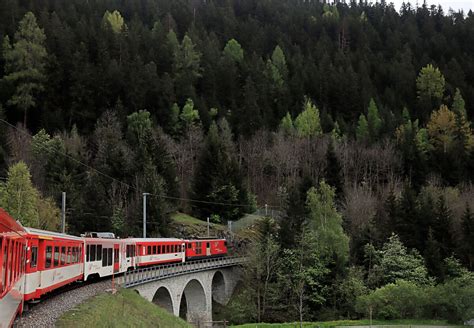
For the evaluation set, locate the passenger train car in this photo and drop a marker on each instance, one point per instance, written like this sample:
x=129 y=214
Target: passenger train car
x=53 y=260
x=12 y=268
x=34 y=262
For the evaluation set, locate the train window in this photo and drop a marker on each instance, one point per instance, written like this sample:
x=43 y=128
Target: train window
x=190 y=245
x=34 y=256
x=87 y=253
x=158 y=249
x=208 y=244
x=49 y=255
x=99 y=253
x=116 y=256
x=74 y=255
x=4 y=267
x=104 y=257
x=109 y=256
x=149 y=250
x=127 y=251
x=69 y=255
x=63 y=255
x=167 y=248
x=92 y=252
x=56 y=256
x=154 y=249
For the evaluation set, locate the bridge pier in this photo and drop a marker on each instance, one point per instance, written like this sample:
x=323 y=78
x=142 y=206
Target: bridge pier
x=190 y=295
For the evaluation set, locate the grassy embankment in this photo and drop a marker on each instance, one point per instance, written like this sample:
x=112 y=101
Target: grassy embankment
x=124 y=309
x=330 y=324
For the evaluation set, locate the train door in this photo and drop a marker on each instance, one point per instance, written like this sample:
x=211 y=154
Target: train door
x=116 y=258
x=33 y=275
x=208 y=248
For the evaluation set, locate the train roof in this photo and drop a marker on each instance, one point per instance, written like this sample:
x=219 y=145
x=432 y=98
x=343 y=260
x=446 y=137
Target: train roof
x=159 y=240
x=51 y=234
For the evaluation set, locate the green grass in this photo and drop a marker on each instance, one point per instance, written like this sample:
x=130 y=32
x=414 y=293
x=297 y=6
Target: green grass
x=124 y=309
x=329 y=324
x=186 y=219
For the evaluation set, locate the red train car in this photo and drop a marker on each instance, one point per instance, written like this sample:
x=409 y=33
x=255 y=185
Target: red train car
x=54 y=260
x=205 y=248
x=152 y=251
x=12 y=268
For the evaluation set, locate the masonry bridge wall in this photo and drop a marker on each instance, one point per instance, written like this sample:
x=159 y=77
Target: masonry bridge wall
x=192 y=293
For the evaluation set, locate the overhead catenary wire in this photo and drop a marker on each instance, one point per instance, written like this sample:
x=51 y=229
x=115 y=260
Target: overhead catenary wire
x=130 y=186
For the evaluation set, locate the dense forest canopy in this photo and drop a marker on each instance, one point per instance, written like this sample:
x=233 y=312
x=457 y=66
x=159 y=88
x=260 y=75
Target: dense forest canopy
x=351 y=121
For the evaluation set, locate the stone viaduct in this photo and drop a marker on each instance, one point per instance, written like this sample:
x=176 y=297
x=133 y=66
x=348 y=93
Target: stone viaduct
x=186 y=291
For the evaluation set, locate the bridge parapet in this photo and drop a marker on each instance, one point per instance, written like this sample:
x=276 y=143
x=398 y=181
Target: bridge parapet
x=150 y=274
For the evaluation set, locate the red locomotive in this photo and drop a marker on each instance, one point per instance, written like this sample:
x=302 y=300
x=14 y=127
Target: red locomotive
x=34 y=262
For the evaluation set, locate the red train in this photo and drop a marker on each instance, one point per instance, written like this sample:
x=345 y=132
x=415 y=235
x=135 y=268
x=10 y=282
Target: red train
x=34 y=262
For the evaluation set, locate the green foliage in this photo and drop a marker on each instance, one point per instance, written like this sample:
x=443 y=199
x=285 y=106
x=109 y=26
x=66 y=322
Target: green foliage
x=308 y=123
x=189 y=115
x=362 y=131
x=18 y=196
x=430 y=83
x=453 y=300
x=330 y=11
x=279 y=61
x=374 y=121
x=326 y=222
x=286 y=125
x=459 y=105
x=234 y=51
x=442 y=129
x=139 y=126
x=25 y=63
x=115 y=21
x=186 y=65
x=397 y=263
x=217 y=178
x=399 y=300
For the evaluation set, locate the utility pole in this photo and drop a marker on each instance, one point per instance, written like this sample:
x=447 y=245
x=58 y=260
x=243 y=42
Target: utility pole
x=144 y=213
x=63 y=213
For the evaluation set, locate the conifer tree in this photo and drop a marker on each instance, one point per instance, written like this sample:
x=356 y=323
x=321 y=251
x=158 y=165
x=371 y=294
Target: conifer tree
x=25 y=63
x=362 y=131
x=374 y=121
x=308 y=122
x=467 y=244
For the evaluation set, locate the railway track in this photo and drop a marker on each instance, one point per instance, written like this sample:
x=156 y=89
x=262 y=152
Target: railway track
x=51 y=307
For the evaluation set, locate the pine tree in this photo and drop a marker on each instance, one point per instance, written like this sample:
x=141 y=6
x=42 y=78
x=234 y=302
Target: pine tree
x=25 y=63
x=459 y=106
x=286 y=125
x=234 y=51
x=432 y=256
x=217 y=178
x=374 y=121
x=443 y=227
x=467 y=245
x=362 y=131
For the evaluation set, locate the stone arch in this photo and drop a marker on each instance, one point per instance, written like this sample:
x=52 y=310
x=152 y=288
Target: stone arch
x=219 y=288
x=193 y=303
x=163 y=298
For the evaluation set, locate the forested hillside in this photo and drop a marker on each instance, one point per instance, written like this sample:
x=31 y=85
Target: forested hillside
x=354 y=120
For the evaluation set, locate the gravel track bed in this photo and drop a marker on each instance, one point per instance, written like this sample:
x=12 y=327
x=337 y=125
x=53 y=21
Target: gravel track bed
x=45 y=313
